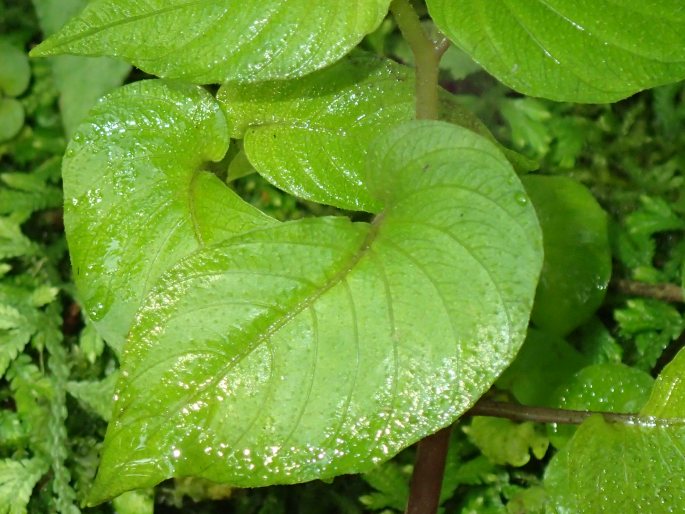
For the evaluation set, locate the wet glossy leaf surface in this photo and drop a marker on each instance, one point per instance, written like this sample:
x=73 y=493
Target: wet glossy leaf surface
x=132 y=183
x=580 y=51
x=577 y=265
x=627 y=468
x=600 y=387
x=310 y=136
x=320 y=347
x=217 y=40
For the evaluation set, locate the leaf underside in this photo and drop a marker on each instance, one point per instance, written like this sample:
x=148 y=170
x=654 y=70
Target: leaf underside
x=581 y=51
x=212 y=41
x=282 y=352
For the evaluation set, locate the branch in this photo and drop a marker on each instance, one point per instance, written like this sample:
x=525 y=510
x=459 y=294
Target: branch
x=516 y=412
x=665 y=292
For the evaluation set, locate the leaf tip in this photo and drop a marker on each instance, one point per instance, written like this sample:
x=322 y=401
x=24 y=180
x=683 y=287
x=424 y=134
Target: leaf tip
x=43 y=49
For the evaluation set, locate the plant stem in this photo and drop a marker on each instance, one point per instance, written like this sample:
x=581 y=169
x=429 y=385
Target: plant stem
x=427 y=56
x=665 y=292
x=516 y=412
x=426 y=480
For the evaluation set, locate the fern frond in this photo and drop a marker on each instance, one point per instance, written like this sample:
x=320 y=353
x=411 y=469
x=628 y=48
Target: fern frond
x=17 y=480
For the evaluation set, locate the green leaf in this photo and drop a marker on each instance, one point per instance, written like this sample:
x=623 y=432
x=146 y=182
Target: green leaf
x=96 y=396
x=636 y=467
x=577 y=265
x=391 y=484
x=11 y=118
x=12 y=342
x=91 y=344
x=13 y=243
x=310 y=136
x=136 y=198
x=15 y=72
x=655 y=215
x=17 y=480
x=583 y=51
x=601 y=387
x=319 y=347
x=135 y=502
x=219 y=40
x=80 y=80
x=544 y=363
x=504 y=442
x=651 y=325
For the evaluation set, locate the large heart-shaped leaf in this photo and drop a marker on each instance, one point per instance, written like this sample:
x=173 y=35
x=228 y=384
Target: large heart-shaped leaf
x=636 y=467
x=310 y=136
x=136 y=200
x=576 y=51
x=319 y=347
x=212 y=41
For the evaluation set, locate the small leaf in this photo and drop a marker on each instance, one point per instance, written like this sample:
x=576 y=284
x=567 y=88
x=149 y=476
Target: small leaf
x=577 y=265
x=135 y=502
x=600 y=387
x=219 y=40
x=310 y=136
x=391 y=484
x=15 y=72
x=43 y=295
x=504 y=442
x=583 y=51
x=11 y=118
x=97 y=396
x=638 y=467
x=17 y=480
x=90 y=342
x=136 y=198
x=319 y=347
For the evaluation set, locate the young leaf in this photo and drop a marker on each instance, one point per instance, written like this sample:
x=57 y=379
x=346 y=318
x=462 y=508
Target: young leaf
x=505 y=442
x=219 y=40
x=610 y=467
x=319 y=347
x=577 y=265
x=136 y=198
x=582 y=51
x=309 y=136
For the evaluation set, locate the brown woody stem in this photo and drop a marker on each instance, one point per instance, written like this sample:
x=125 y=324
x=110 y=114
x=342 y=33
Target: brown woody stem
x=665 y=292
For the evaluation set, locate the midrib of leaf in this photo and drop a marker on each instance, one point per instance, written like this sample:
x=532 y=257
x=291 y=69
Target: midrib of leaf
x=192 y=208
x=106 y=26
